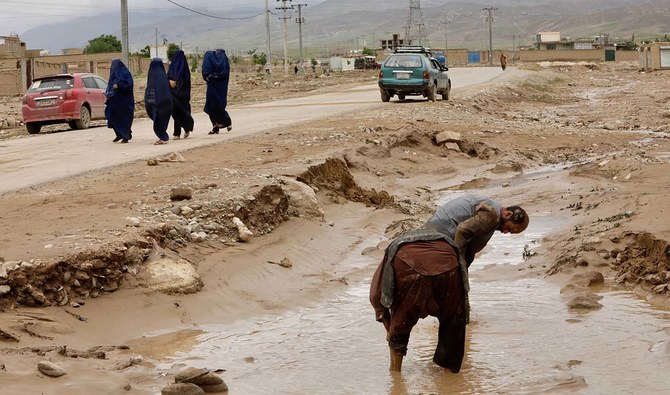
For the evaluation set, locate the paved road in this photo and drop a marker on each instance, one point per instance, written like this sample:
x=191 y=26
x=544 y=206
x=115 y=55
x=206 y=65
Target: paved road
x=39 y=159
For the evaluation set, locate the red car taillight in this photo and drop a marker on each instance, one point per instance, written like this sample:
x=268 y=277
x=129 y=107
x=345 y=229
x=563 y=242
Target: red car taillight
x=381 y=74
x=426 y=75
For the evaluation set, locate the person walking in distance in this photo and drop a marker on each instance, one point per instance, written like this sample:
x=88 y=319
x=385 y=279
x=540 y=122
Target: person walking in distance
x=120 y=103
x=503 y=61
x=216 y=72
x=157 y=100
x=179 y=77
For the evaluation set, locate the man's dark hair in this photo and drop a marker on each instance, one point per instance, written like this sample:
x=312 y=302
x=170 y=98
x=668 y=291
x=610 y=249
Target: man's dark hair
x=519 y=215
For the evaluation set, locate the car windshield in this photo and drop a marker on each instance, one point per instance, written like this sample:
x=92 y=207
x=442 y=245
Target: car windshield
x=52 y=84
x=404 y=61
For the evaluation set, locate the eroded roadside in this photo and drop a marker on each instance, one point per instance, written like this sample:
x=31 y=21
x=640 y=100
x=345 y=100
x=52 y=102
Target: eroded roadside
x=582 y=141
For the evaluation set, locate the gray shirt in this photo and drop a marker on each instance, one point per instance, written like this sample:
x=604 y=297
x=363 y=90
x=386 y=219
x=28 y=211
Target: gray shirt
x=469 y=220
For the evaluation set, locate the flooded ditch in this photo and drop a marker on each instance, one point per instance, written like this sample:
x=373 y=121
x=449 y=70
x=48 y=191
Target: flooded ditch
x=523 y=339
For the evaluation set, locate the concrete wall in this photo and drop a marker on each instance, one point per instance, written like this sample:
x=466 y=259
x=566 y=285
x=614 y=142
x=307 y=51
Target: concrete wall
x=649 y=56
x=593 y=55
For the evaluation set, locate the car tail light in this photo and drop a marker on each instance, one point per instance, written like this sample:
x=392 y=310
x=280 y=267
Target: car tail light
x=381 y=74
x=426 y=75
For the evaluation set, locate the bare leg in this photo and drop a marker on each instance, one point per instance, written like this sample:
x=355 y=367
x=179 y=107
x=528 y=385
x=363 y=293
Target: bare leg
x=396 y=361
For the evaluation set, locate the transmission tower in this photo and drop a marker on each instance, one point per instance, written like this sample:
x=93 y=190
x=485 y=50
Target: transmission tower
x=415 y=18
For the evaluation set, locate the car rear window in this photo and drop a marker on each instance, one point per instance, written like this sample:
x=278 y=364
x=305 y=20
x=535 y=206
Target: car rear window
x=52 y=84
x=404 y=61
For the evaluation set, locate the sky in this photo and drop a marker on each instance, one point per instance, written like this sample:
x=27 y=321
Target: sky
x=18 y=16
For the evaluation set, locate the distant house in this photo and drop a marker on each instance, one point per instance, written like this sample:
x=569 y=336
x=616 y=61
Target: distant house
x=11 y=47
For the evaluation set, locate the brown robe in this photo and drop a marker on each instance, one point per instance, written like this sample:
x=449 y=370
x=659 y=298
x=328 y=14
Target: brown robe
x=427 y=282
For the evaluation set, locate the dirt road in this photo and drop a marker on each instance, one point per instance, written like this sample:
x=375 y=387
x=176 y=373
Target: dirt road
x=44 y=158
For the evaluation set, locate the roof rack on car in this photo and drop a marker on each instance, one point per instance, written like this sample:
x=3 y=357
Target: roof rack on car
x=413 y=49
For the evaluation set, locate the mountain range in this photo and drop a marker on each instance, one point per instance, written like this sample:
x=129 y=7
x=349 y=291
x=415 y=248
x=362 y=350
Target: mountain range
x=333 y=26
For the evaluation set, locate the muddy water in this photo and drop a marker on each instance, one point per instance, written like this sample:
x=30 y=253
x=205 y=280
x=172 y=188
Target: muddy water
x=522 y=340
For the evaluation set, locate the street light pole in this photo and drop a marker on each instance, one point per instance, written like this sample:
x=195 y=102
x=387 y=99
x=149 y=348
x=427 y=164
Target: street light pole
x=124 y=32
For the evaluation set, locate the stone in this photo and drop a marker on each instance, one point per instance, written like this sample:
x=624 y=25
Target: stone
x=152 y=162
x=216 y=388
x=302 y=200
x=182 y=389
x=133 y=221
x=173 y=276
x=5 y=289
x=50 y=369
x=587 y=301
x=181 y=193
x=244 y=234
x=447 y=137
x=188 y=374
x=588 y=279
x=452 y=147
x=186 y=210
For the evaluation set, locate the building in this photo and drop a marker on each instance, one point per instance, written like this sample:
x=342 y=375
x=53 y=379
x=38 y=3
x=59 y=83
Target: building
x=11 y=47
x=393 y=43
x=655 y=56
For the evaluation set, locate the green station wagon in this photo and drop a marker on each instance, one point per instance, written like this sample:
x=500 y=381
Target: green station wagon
x=413 y=71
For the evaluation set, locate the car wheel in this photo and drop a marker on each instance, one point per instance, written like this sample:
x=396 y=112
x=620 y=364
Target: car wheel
x=401 y=96
x=33 y=127
x=447 y=92
x=385 y=95
x=84 y=120
x=430 y=94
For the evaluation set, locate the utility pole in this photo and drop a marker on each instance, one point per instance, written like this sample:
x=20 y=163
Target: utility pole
x=156 y=43
x=513 y=48
x=300 y=22
x=268 y=60
x=446 y=50
x=124 y=32
x=489 y=19
x=286 y=17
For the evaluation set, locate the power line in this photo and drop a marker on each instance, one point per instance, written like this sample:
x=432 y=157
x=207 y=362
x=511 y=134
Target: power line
x=214 y=16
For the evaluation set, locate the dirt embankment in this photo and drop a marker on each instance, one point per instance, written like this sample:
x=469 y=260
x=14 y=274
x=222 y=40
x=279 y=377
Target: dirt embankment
x=586 y=142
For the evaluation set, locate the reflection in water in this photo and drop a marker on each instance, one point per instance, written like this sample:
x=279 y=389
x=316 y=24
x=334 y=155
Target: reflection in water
x=522 y=340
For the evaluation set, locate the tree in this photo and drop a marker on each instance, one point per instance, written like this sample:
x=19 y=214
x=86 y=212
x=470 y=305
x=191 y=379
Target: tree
x=630 y=45
x=258 y=58
x=368 y=52
x=145 y=52
x=171 y=50
x=103 y=44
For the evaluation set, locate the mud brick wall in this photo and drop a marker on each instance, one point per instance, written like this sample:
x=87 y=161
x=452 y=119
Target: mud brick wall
x=10 y=77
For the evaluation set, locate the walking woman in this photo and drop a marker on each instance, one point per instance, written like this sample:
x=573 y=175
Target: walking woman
x=157 y=100
x=216 y=72
x=120 y=103
x=179 y=77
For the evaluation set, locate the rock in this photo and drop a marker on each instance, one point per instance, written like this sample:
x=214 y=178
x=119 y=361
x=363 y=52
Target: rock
x=302 y=200
x=588 y=279
x=244 y=234
x=133 y=221
x=182 y=389
x=588 y=301
x=660 y=288
x=447 y=137
x=5 y=289
x=181 y=193
x=582 y=262
x=209 y=379
x=173 y=276
x=186 y=210
x=452 y=147
x=152 y=162
x=189 y=374
x=50 y=369
x=604 y=254
x=216 y=388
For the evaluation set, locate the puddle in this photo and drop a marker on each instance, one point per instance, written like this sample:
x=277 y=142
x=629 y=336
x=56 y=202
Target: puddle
x=522 y=340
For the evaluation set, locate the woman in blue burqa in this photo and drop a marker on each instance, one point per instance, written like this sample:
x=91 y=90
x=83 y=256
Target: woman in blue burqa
x=157 y=100
x=216 y=71
x=179 y=77
x=120 y=103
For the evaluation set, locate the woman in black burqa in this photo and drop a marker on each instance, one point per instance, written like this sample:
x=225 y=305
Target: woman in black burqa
x=216 y=72
x=179 y=77
x=120 y=103
x=158 y=101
